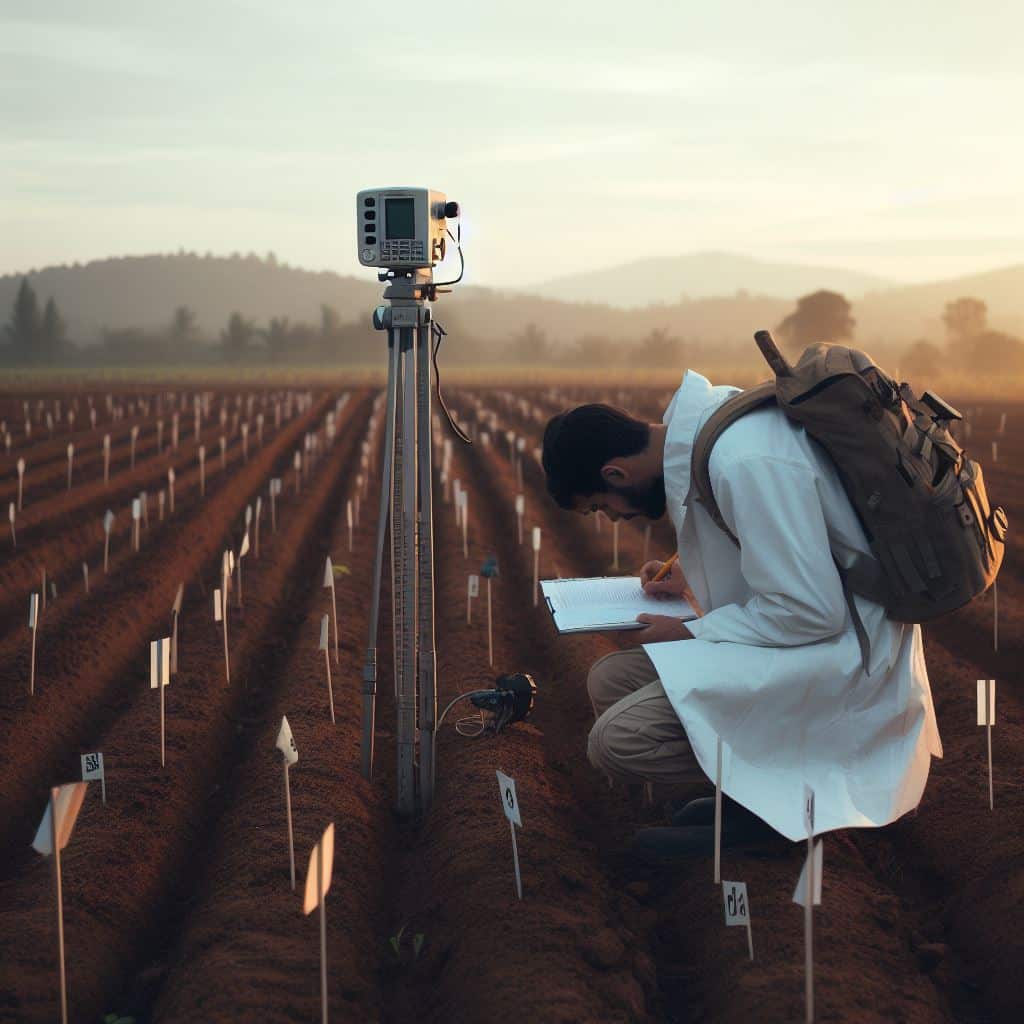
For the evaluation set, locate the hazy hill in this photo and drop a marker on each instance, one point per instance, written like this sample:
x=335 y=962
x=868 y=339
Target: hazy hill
x=701 y=275
x=143 y=291
x=915 y=311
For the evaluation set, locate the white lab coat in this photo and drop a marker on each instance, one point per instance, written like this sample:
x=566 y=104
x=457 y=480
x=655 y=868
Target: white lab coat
x=775 y=668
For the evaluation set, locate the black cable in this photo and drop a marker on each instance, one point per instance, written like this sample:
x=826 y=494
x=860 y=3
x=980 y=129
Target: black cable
x=439 y=332
x=462 y=260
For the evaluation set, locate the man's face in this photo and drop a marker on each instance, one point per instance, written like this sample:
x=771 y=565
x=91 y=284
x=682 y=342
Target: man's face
x=626 y=502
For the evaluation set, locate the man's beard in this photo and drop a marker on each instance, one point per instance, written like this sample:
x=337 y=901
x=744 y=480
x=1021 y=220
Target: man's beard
x=648 y=501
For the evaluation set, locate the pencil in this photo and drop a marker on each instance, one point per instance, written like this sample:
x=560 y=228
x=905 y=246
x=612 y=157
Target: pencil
x=666 y=568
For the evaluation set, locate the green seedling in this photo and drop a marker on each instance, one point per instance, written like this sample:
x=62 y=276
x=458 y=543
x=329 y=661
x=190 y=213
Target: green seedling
x=116 y=1018
x=397 y=945
x=341 y=570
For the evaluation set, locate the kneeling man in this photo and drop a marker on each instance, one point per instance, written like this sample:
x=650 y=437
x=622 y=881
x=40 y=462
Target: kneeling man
x=773 y=665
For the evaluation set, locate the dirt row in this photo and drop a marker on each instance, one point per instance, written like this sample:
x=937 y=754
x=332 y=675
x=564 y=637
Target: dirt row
x=244 y=950
x=67 y=530
x=88 y=649
x=49 y=506
x=132 y=867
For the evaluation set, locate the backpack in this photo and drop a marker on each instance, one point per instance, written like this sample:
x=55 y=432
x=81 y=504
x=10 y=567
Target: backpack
x=937 y=544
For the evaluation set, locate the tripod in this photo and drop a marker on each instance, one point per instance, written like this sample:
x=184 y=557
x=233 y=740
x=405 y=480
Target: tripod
x=406 y=487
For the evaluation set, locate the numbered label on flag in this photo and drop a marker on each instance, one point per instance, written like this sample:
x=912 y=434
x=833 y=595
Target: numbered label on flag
x=92 y=767
x=286 y=742
x=808 y=810
x=509 y=800
x=313 y=898
x=734 y=895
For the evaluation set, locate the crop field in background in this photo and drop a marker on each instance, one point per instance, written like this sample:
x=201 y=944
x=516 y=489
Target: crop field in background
x=177 y=899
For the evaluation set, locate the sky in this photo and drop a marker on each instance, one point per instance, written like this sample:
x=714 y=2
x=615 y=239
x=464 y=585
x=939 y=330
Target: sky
x=878 y=136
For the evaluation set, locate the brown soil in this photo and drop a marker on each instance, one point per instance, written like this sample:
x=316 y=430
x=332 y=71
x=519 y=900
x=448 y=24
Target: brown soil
x=177 y=900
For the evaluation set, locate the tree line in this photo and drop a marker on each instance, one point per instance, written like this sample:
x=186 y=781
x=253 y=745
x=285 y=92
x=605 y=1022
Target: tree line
x=38 y=336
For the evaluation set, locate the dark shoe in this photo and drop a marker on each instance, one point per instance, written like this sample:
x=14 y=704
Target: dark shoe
x=702 y=811
x=678 y=843
x=683 y=813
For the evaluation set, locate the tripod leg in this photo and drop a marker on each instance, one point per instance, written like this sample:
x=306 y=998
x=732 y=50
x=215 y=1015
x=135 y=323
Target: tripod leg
x=404 y=566
x=370 y=668
x=425 y=608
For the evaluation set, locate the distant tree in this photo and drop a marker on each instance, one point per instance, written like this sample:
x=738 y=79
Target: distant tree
x=659 y=349
x=920 y=361
x=820 y=316
x=995 y=353
x=965 y=319
x=595 y=351
x=530 y=345
x=52 y=331
x=277 y=336
x=235 y=339
x=271 y=259
x=330 y=323
x=26 y=326
x=183 y=325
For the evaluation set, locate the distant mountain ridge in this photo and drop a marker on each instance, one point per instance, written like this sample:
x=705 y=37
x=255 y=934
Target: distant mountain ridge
x=143 y=291
x=700 y=275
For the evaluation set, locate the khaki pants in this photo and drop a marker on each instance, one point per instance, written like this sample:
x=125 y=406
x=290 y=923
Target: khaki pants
x=637 y=736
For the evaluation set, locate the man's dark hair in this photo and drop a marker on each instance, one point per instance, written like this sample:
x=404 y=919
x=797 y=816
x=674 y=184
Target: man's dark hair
x=579 y=442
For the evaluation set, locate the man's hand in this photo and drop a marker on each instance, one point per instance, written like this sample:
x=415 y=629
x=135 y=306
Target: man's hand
x=659 y=629
x=673 y=585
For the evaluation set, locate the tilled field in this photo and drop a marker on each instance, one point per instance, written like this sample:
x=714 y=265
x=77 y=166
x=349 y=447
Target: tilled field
x=176 y=893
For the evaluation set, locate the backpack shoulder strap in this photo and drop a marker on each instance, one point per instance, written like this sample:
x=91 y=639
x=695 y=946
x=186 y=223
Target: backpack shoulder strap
x=724 y=416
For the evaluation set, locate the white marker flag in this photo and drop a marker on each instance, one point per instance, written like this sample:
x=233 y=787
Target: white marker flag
x=136 y=508
x=108 y=521
x=474 y=586
x=800 y=893
x=328 y=573
x=159 y=662
x=286 y=742
x=244 y=549
x=218 y=613
x=323 y=633
x=990 y=717
x=68 y=803
x=92 y=767
x=808 y=810
x=509 y=800
x=33 y=611
x=318 y=877
x=510 y=804
x=536 y=538
x=176 y=608
x=735 y=897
